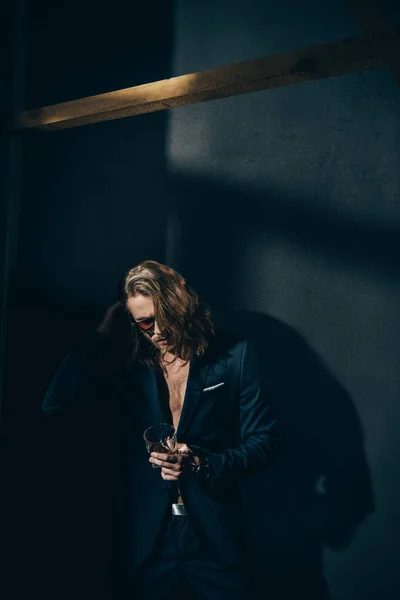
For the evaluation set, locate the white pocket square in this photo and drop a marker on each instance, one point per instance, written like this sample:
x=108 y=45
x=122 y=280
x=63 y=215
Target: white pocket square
x=214 y=387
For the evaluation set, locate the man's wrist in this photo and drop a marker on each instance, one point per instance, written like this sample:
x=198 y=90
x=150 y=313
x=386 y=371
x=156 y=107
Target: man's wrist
x=193 y=462
x=202 y=467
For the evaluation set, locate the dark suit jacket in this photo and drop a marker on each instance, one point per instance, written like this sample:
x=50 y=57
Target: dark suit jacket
x=229 y=423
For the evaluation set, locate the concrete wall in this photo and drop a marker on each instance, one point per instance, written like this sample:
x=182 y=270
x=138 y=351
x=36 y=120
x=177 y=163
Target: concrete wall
x=280 y=206
x=91 y=197
x=91 y=205
x=287 y=210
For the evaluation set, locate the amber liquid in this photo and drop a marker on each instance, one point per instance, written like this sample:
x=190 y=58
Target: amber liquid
x=160 y=447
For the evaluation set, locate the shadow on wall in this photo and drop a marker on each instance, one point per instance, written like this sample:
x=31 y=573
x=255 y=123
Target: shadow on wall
x=53 y=471
x=210 y=221
x=314 y=495
x=319 y=490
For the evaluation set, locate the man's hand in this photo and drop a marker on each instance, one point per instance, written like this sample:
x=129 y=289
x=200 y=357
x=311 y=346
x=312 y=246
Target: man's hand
x=174 y=466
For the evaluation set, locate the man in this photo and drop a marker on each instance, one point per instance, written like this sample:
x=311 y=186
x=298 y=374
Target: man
x=185 y=517
x=178 y=524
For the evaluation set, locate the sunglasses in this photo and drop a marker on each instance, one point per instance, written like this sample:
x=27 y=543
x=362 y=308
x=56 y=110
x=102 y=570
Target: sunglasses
x=146 y=325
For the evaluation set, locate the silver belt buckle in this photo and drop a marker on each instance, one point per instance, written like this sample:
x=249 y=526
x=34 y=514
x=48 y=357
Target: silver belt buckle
x=179 y=510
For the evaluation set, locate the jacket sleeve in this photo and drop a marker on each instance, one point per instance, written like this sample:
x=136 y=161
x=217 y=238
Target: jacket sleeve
x=256 y=427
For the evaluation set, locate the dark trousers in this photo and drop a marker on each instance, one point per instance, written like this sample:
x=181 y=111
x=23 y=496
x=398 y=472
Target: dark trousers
x=179 y=568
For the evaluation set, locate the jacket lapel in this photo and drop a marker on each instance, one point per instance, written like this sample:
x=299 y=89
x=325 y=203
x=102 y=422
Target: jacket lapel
x=147 y=379
x=197 y=380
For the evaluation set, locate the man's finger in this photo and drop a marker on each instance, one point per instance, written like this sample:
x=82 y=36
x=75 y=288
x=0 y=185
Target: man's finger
x=159 y=456
x=166 y=464
x=170 y=472
x=169 y=478
x=169 y=475
x=169 y=458
x=183 y=449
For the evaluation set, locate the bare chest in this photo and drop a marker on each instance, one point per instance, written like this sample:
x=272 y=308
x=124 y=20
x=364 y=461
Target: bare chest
x=176 y=378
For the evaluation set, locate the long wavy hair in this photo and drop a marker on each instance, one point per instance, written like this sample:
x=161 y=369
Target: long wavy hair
x=181 y=318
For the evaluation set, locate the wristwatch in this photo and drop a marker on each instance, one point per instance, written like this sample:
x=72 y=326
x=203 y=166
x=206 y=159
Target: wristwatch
x=202 y=469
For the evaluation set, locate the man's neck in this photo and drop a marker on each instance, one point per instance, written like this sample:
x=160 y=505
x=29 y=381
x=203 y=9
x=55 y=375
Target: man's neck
x=172 y=363
x=168 y=357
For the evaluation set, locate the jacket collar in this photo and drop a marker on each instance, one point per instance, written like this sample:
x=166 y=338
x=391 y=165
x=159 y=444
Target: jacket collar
x=197 y=381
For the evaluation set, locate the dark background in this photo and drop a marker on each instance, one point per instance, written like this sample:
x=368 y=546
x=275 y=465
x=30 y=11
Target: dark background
x=280 y=207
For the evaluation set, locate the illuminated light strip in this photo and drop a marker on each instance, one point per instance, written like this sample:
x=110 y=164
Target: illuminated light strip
x=316 y=62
